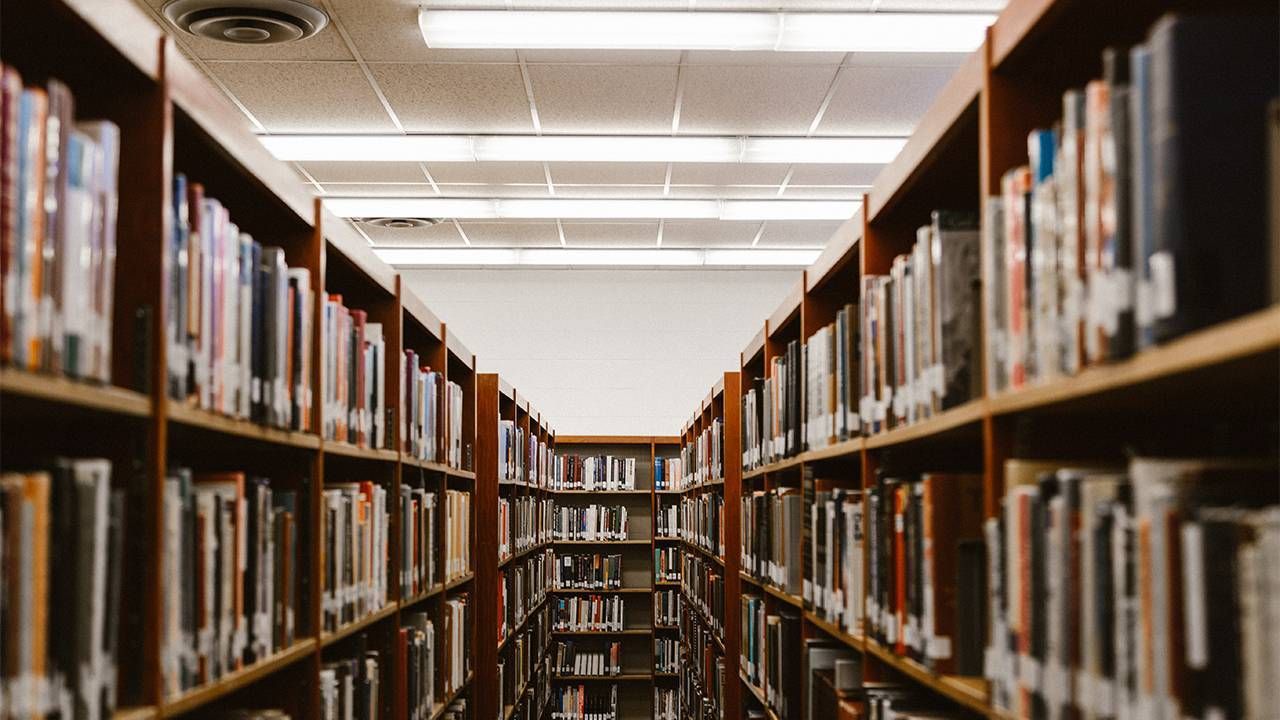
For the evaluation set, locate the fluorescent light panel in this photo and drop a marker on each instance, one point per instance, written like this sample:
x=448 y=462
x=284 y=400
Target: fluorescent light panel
x=564 y=208
x=649 y=30
x=582 y=148
x=582 y=257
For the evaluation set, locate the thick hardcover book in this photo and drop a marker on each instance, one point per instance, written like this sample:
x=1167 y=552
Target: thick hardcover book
x=958 y=305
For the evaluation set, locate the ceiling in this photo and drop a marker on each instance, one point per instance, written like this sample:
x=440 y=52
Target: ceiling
x=369 y=71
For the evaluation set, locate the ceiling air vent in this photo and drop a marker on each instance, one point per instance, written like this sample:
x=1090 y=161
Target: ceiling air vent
x=398 y=223
x=247 y=22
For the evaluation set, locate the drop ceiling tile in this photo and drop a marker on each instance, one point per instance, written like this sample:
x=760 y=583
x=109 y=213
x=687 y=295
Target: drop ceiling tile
x=724 y=192
x=387 y=30
x=707 y=233
x=777 y=100
x=835 y=174
x=487 y=172
x=604 y=98
x=600 y=57
x=797 y=234
x=512 y=234
x=636 y=234
x=488 y=190
x=825 y=192
x=360 y=172
x=397 y=190
x=647 y=192
x=882 y=100
x=906 y=59
x=753 y=58
x=942 y=5
x=305 y=97
x=608 y=173
x=727 y=174
x=458 y=98
x=439 y=235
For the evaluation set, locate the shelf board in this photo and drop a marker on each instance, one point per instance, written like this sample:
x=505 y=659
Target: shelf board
x=194 y=698
x=667 y=538
x=665 y=675
x=835 y=450
x=854 y=641
x=666 y=584
x=600 y=542
x=348 y=450
x=356 y=626
x=588 y=633
x=614 y=591
x=624 y=677
x=450 y=697
x=63 y=391
x=1243 y=337
x=459 y=581
x=522 y=554
x=142 y=712
x=710 y=484
x=958 y=416
x=601 y=492
x=749 y=579
x=667 y=492
x=780 y=465
x=195 y=417
x=786 y=597
x=424 y=464
x=668 y=628
x=971 y=692
x=759 y=696
x=704 y=552
x=435 y=590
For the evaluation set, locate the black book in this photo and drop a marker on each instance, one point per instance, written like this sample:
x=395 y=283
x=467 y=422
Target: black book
x=958 y=275
x=1118 y=248
x=971 y=603
x=1211 y=79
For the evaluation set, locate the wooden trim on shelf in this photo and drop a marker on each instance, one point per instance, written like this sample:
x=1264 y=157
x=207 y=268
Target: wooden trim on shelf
x=601 y=542
x=759 y=695
x=457 y=348
x=628 y=632
x=837 y=253
x=197 y=697
x=773 y=467
x=143 y=712
x=434 y=591
x=788 y=308
x=343 y=237
x=419 y=311
x=968 y=692
x=854 y=641
x=449 y=698
x=604 y=439
x=840 y=449
x=600 y=492
x=106 y=398
x=355 y=626
x=348 y=450
x=754 y=347
x=958 y=416
x=459 y=581
x=204 y=419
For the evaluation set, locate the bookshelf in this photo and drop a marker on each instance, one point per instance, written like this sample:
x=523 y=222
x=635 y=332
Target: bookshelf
x=119 y=66
x=1223 y=378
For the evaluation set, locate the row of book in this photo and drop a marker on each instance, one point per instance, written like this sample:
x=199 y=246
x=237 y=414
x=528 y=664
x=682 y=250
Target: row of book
x=59 y=194
x=666 y=564
x=834 y=579
x=703 y=585
x=353 y=379
x=702 y=683
x=523 y=678
x=524 y=522
x=925 y=579
x=772 y=526
x=239 y=320
x=581 y=659
x=354 y=531
x=418 y=527
x=770 y=649
x=230 y=574
x=591 y=523
x=920 y=346
x=667 y=473
x=666 y=704
x=667 y=608
x=431 y=408
x=588 y=572
x=350 y=687
x=511 y=452
x=832 y=382
x=588 y=613
x=701 y=701
x=594 y=472
x=584 y=702
x=702 y=459
x=1145 y=590
x=1105 y=243
x=666 y=523
x=415 y=681
x=457 y=534
x=666 y=655
x=61 y=555
x=521 y=588
x=701 y=522
x=772 y=411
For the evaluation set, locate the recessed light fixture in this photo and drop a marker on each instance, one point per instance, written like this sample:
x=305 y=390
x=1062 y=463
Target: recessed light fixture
x=659 y=30
x=584 y=257
x=564 y=208
x=583 y=148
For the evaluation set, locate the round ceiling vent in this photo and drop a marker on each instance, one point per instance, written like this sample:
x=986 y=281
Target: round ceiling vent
x=398 y=223
x=247 y=22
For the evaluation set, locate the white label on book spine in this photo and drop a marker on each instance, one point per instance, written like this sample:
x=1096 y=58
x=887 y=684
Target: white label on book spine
x=939 y=647
x=1164 y=288
x=1193 y=592
x=1028 y=672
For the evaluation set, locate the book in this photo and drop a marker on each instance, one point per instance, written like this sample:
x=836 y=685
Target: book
x=354 y=533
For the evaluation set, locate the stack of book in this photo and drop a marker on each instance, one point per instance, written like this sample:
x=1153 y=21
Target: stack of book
x=523 y=523
x=239 y=322
x=511 y=458
x=349 y=688
x=666 y=564
x=705 y=665
x=1107 y=242
x=1138 y=590
x=587 y=613
x=667 y=523
x=585 y=702
x=418 y=524
x=666 y=473
x=832 y=381
x=591 y=522
x=772 y=525
x=666 y=655
x=521 y=588
x=457 y=534
x=60 y=580
x=703 y=584
x=587 y=659
x=666 y=704
x=703 y=459
x=58 y=197
x=595 y=472
x=354 y=532
x=353 y=377
x=432 y=413
x=589 y=572
x=416 y=664
x=920 y=343
x=526 y=653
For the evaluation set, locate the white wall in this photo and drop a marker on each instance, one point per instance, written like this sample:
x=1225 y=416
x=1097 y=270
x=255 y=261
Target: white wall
x=606 y=352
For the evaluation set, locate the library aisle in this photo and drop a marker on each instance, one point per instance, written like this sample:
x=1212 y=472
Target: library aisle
x=861 y=360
